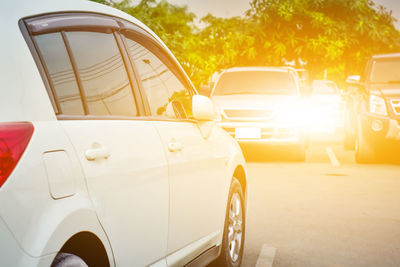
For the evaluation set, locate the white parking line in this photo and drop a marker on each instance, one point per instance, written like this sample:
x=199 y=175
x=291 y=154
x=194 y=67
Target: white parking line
x=266 y=257
x=334 y=161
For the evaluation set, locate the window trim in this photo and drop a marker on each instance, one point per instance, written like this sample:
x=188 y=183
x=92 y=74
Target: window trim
x=131 y=28
x=76 y=73
x=112 y=117
x=152 y=45
x=40 y=66
x=70 y=21
x=137 y=93
x=35 y=51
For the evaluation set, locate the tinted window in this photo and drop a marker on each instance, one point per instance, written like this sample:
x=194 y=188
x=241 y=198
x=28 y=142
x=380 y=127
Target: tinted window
x=166 y=95
x=256 y=82
x=386 y=71
x=102 y=72
x=61 y=74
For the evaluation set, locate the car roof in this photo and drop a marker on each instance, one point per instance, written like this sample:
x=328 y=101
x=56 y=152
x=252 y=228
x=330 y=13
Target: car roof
x=386 y=56
x=13 y=12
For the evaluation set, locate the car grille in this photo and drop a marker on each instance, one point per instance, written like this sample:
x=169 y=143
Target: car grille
x=396 y=106
x=248 y=114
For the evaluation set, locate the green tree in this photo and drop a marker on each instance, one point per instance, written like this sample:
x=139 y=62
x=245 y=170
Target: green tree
x=337 y=35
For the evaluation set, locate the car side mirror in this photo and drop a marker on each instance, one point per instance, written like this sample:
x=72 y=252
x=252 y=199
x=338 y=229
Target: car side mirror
x=353 y=80
x=205 y=90
x=203 y=108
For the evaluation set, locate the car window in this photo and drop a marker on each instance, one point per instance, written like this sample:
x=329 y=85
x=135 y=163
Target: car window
x=102 y=73
x=61 y=74
x=386 y=71
x=166 y=95
x=256 y=82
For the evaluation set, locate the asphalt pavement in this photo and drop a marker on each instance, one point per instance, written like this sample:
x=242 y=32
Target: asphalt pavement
x=326 y=211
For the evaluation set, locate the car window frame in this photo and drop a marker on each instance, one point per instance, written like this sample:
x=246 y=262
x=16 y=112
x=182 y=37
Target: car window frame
x=142 y=37
x=104 y=24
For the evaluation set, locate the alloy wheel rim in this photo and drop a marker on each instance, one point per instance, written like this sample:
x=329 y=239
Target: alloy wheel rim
x=235 y=227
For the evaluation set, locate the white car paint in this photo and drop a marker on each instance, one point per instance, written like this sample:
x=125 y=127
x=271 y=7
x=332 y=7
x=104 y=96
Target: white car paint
x=139 y=200
x=129 y=189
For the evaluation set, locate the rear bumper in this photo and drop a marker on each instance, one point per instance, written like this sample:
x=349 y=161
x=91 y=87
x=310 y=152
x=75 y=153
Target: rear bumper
x=11 y=254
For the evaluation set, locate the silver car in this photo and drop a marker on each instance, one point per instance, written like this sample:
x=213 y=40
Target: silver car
x=262 y=106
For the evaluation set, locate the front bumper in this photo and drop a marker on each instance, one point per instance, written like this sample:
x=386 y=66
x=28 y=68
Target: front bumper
x=390 y=130
x=270 y=134
x=393 y=132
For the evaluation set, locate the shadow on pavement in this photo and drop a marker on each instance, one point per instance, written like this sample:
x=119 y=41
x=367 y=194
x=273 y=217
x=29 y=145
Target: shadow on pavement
x=270 y=153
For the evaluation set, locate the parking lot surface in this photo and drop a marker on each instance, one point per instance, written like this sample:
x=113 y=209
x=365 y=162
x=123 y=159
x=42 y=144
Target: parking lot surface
x=326 y=211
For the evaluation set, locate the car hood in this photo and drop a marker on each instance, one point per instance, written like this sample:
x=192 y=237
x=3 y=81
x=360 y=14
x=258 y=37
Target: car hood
x=388 y=90
x=255 y=101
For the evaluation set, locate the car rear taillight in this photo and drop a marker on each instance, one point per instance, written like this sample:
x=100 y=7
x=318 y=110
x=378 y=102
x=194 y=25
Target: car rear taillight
x=14 y=138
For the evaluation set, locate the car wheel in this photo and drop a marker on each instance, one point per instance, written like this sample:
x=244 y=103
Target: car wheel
x=234 y=229
x=364 y=151
x=68 y=260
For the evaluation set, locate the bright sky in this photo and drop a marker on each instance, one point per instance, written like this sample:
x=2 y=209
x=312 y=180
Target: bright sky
x=230 y=8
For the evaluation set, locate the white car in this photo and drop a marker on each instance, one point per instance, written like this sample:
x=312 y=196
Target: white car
x=262 y=106
x=108 y=157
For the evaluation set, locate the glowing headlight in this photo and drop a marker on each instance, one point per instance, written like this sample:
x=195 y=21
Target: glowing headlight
x=377 y=105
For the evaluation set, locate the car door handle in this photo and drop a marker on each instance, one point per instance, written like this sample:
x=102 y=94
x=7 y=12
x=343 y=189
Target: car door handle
x=174 y=146
x=97 y=153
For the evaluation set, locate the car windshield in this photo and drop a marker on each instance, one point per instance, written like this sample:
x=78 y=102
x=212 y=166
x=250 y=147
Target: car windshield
x=256 y=82
x=386 y=71
x=324 y=89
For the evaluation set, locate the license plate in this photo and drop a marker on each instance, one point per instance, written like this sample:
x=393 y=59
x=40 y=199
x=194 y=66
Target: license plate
x=248 y=133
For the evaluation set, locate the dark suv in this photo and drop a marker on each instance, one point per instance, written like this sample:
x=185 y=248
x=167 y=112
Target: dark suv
x=372 y=120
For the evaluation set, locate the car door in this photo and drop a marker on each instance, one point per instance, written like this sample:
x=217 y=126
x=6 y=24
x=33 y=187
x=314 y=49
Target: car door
x=196 y=162
x=121 y=154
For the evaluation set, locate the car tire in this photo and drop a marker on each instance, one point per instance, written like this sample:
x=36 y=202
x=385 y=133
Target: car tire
x=364 y=151
x=234 y=228
x=68 y=260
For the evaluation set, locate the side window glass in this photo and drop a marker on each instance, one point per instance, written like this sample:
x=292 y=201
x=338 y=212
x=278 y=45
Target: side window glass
x=62 y=77
x=102 y=73
x=166 y=95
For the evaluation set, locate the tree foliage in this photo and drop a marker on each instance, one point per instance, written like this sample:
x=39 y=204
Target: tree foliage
x=337 y=35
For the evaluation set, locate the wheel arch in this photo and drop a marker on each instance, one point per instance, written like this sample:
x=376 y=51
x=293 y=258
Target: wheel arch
x=80 y=233
x=88 y=247
x=240 y=174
